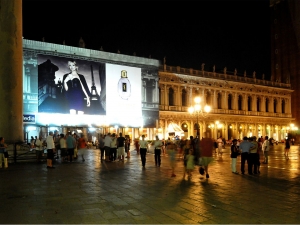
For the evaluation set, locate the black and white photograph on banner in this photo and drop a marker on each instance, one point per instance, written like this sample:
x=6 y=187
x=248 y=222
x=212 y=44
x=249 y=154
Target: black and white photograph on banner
x=71 y=86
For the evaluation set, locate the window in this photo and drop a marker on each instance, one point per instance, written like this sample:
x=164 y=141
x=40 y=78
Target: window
x=249 y=103
x=230 y=101
x=258 y=108
x=283 y=106
x=184 y=97
x=219 y=101
x=171 y=97
x=275 y=106
x=267 y=105
x=240 y=101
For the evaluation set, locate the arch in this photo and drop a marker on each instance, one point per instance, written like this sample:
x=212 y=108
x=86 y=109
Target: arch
x=240 y=102
x=208 y=98
x=219 y=101
x=230 y=101
x=171 y=97
x=283 y=106
x=249 y=102
x=184 y=97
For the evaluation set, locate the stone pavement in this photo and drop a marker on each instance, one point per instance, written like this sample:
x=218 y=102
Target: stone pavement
x=92 y=192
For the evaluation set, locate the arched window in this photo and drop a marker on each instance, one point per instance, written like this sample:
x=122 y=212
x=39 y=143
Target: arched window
x=240 y=101
x=219 y=101
x=249 y=103
x=229 y=101
x=258 y=107
x=275 y=106
x=208 y=98
x=184 y=97
x=267 y=105
x=171 y=97
x=283 y=106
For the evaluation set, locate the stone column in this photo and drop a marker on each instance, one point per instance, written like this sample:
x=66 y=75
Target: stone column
x=11 y=65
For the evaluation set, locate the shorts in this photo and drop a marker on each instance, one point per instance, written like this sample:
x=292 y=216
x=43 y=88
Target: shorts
x=63 y=152
x=50 y=154
x=70 y=151
x=121 y=151
x=39 y=153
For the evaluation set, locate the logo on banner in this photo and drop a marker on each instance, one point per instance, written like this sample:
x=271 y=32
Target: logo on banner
x=28 y=118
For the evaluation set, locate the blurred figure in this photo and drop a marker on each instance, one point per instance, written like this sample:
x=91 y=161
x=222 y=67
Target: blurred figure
x=171 y=149
x=82 y=146
x=190 y=164
x=39 y=149
x=206 y=149
x=63 y=148
x=3 y=147
x=265 y=148
x=121 y=143
x=234 y=154
x=287 y=148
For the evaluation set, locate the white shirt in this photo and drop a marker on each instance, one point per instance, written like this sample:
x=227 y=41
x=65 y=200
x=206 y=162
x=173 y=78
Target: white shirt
x=39 y=145
x=143 y=144
x=50 y=142
x=266 y=145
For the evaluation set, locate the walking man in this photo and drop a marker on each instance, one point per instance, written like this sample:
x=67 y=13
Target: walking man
x=121 y=147
x=143 y=150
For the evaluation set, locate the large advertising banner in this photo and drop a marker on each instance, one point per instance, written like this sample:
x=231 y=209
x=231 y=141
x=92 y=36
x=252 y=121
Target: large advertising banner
x=71 y=86
x=123 y=95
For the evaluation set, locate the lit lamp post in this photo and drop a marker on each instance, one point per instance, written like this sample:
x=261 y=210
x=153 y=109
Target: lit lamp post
x=198 y=109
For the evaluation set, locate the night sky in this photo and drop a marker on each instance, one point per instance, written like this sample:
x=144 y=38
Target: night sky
x=235 y=34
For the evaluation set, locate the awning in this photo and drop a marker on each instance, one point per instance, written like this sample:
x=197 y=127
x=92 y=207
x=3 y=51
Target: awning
x=173 y=127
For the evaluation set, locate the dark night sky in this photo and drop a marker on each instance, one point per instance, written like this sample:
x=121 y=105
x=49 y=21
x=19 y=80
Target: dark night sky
x=235 y=34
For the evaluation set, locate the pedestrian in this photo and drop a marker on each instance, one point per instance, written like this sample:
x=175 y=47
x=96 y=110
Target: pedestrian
x=245 y=147
x=235 y=152
x=121 y=143
x=113 y=148
x=287 y=148
x=71 y=145
x=107 y=142
x=252 y=157
x=63 y=148
x=171 y=149
x=206 y=150
x=265 y=148
x=220 y=145
x=50 y=150
x=101 y=146
x=143 y=150
x=190 y=164
x=82 y=146
x=39 y=149
x=3 y=147
x=157 y=150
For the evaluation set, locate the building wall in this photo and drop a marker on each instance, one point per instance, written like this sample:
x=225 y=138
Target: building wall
x=264 y=107
x=285 y=47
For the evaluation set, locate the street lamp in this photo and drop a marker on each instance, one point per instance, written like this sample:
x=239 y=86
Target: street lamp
x=199 y=110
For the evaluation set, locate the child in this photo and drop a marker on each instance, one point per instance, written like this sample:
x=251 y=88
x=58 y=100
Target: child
x=190 y=164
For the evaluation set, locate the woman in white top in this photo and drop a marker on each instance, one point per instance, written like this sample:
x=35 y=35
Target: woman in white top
x=143 y=149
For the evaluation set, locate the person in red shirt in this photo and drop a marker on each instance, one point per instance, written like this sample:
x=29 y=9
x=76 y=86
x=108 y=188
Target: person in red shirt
x=82 y=146
x=206 y=150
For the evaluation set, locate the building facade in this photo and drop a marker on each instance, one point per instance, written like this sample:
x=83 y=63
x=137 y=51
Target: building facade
x=240 y=105
x=285 y=47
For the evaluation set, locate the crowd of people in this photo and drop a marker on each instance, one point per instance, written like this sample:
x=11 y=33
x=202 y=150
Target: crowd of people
x=193 y=151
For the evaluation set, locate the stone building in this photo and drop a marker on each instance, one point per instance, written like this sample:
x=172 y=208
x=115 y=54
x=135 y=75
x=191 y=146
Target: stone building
x=240 y=105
